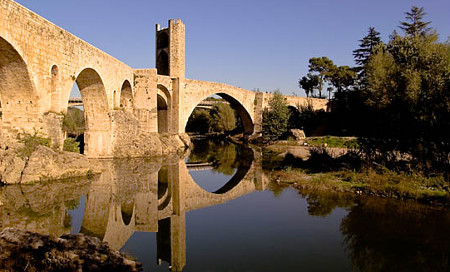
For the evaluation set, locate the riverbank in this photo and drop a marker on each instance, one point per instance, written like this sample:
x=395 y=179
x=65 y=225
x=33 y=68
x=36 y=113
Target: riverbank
x=31 y=158
x=432 y=191
x=340 y=169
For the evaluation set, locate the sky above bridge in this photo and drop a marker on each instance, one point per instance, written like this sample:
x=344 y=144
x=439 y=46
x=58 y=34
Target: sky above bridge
x=250 y=44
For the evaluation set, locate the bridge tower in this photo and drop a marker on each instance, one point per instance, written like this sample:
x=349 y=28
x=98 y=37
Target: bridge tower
x=170 y=44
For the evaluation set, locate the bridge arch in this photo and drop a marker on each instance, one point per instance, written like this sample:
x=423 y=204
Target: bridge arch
x=164 y=107
x=20 y=107
x=97 y=135
x=127 y=211
x=236 y=105
x=126 y=96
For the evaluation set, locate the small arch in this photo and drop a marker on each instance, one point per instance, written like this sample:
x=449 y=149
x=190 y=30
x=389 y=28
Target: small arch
x=162 y=63
x=163 y=116
x=54 y=84
x=163 y=40
x=164 y=190
x=127 y=209
x=126 y=96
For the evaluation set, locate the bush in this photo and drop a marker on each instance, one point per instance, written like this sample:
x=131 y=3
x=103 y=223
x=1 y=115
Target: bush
x=71 y=145
x=31 y=141
x=275 y=118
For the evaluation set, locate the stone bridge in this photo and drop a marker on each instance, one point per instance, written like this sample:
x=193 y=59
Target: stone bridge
x=40 y=62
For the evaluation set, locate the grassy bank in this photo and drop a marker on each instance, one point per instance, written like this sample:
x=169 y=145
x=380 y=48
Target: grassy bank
x=389 y=184
x=323 y=171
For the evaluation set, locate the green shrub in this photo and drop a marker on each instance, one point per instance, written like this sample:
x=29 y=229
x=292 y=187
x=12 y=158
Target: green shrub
x=275 y=118
x=31 y=141
x=71 y=145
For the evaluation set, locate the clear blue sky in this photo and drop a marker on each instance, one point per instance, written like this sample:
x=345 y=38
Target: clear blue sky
x=251 y=44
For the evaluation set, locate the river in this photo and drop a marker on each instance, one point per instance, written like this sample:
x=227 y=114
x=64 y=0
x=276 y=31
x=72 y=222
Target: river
x=215 y=210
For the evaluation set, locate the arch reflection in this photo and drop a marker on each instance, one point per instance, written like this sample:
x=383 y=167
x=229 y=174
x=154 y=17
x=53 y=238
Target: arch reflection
x=154 y=196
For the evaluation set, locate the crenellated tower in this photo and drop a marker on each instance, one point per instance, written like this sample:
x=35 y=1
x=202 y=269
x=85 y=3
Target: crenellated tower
x=170 y=49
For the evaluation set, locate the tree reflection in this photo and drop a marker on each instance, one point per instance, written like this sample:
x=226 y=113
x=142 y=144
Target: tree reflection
x=323 y=203
x=224 y=156
x=388 y=235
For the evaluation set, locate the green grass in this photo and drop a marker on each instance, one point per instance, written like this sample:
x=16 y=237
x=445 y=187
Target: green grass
x=331 y=141
x=387 y=184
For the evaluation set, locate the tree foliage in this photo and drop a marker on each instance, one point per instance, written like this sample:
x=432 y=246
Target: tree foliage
x=366 y=46
x=414 y=26
x=74 y=122
x=223 y=118
x=408 y=94
x=323 y=68
x=309 y=83
x=400 y=102
x=275 y=117
x=220 y=119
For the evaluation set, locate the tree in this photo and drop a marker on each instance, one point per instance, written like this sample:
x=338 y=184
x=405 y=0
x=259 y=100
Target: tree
x=309 y=83
x=366 y=46
x=321 y=67
x=223 y=118
x=275 y=117
x=199 y=121
x=342 y=77
x=414 y=26
x=408 y=94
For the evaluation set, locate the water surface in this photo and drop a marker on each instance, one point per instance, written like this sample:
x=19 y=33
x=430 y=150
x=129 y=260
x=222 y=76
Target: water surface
x=216 y=211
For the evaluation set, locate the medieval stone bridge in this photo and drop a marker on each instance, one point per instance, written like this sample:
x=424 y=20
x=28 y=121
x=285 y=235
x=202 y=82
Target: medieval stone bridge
x=40 y=62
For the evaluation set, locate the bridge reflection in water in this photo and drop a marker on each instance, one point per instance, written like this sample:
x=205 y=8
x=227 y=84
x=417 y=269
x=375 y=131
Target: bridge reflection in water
x=154 y=196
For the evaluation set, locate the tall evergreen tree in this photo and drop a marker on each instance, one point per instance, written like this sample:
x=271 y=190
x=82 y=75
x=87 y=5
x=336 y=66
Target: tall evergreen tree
x=414 y=25
x=366 y=46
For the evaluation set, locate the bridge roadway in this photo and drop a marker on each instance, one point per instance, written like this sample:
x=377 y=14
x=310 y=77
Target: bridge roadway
x=40 y=62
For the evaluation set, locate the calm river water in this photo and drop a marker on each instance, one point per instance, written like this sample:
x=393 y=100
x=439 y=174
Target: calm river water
x=216 y=211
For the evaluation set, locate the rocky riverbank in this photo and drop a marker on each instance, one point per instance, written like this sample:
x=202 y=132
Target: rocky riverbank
x=28 y=251
x=41 y=163
x=24 y=162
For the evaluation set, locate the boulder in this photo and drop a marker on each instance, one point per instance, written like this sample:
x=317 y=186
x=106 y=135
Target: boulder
x=44 y=163
x=298 y=134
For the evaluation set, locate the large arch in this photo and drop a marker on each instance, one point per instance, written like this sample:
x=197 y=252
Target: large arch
x=20 y=107
x=126 y=96
x=97 y=137
x=244 y=115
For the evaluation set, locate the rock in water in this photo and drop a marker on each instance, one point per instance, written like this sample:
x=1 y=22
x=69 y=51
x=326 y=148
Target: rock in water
x=28 y=251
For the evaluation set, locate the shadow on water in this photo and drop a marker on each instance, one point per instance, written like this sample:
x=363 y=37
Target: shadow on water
x=140 y=207
x=386 y=234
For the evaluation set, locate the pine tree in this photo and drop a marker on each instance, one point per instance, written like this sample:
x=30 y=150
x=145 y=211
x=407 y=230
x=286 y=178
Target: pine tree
x=366 y=46
x=415 y=27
